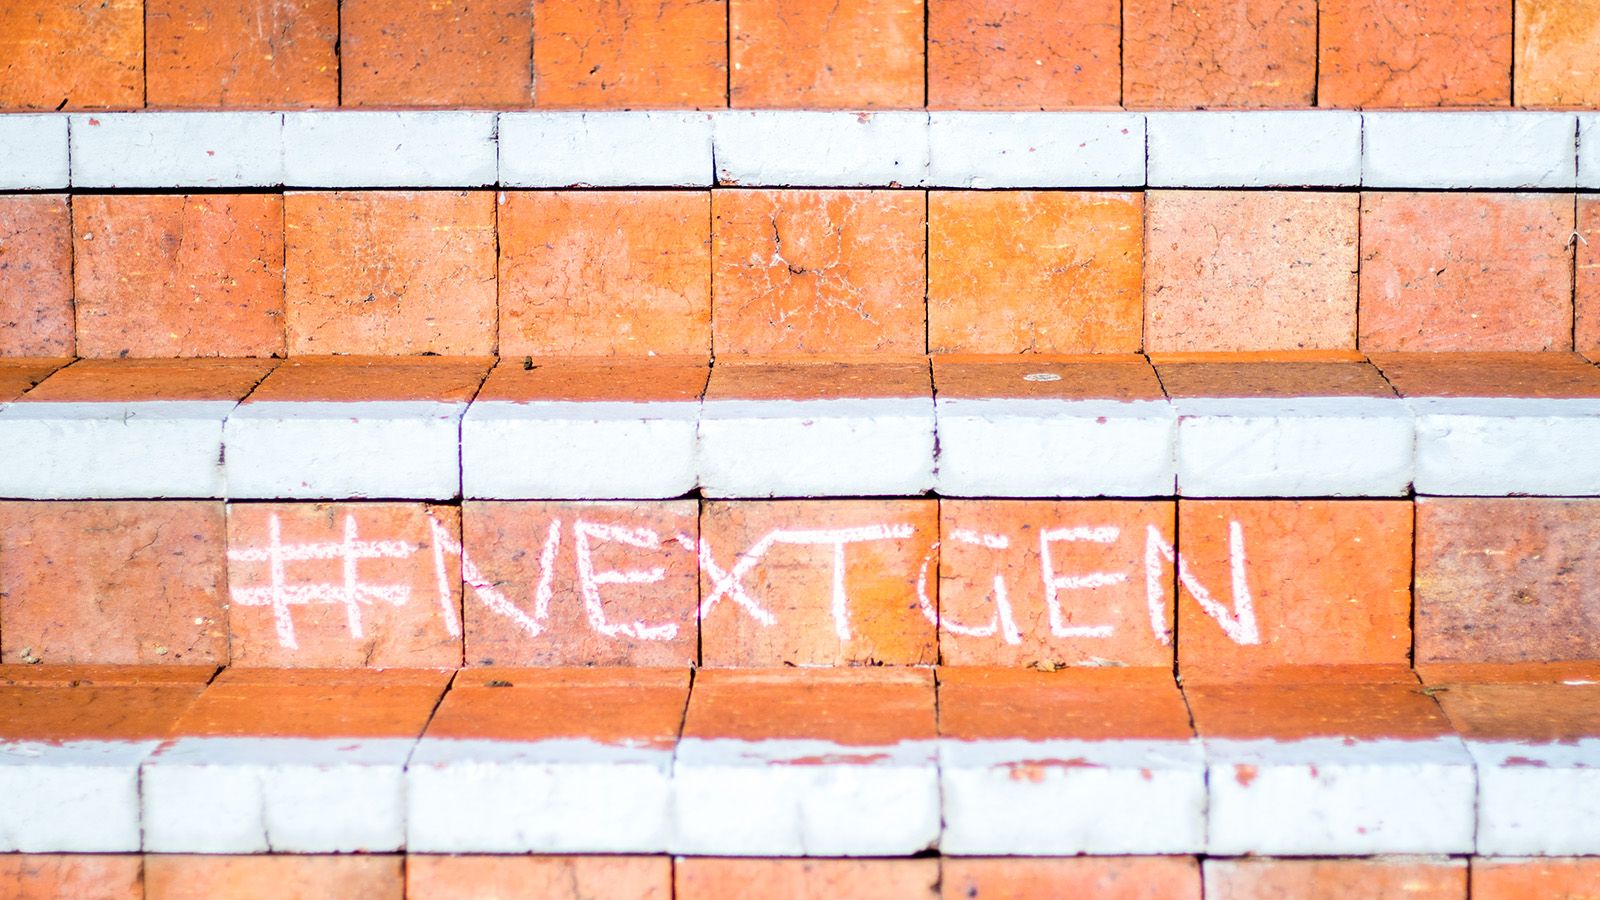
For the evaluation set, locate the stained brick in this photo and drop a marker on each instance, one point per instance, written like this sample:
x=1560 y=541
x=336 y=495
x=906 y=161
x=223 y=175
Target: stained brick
x=1555 y=53
x=858 y=54
x=1034 y=54
x=179 y=877
x=35 y=276
x=242 y=53
x=72 y=54
x=636 y=54
x=456 y=53
x=1218 y=53
x=1378 y=53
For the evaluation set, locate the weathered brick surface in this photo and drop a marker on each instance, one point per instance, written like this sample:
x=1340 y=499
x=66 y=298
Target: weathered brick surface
x=180 y=877
x=1587 y=289
x=857 y=54
x=72 y=54
x=551 y=877
x=1378 y=53
x=1529 y=879
x=635 y=54
x=843 y=879
x=1034 y=54
x=48 y=876
x=430 y=53
x=242 y=53
x=1555 y=53
x=1218 y=53
x=1336 y=879
x=1118 y=877
x=35 y=276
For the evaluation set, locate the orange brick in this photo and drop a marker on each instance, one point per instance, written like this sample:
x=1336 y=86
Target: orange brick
x=1457 y=271
x=767 y=599
x=242 y=53
x=1587 y=289
x=177 y=877
x=818 y=272
x=429 y=53
x=1292 y=582
x=1528 y=879
x=1218 y=53
x=550 y=877
x=1556 y=41
x=35 y=276
x=1377 y=53
x=170 y=275
x=87 y=876
x=1083 y=703
x=710 y=878
x=1250 y=270
x=390 y=272
x=20 y=375
x=1527 y=375
x=628 y=706
x=316 y=703
x=352 y=584
x=857 y=54
x=593 y=273
x=112 y=582
x=1336 y=879
x=553 y=557
x=1044 y=619
x=72 y=54
x=100 y=703
x=1035 y=271
x=1105 y=877
x=1025 y=54
x=634 y=53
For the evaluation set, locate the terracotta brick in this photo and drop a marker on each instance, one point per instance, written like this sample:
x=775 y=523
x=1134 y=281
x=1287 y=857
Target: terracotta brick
x=636 y=54
x=1126 y=377
x=343 y=584
x=72 y=54
x=242 y=53
x=19 y=375
x=1291 y=582
x=1533 y=716
x=1046 y=617
x=143 y=707
x=1256 y=270
x=179 y=877
x=1377 y=53
x=47 y=876
x=1084 y=703
x=1108 y=877
x=1420 y=878
x=139 y=380
x=174 y=275
x=1547 y=375
x=1218 y=53
x=390 y=272
x=440 y=379
x=35 y=276
x=858 y=54
x=593 y=273
x=818 y=272
x=1459 y=271
x=1034 y=54
x=551 y=877
x=712 y=878
x=549 y=583
x=575 y=379
x=1358 y=703
x=1507 y=579
x=1035 y=271
x=624 y=706
x=113 y=582
x=1587 y=289
x=782 y=607
x=1278 y=375
x=316 y=703
x=1555 y=53
x=1530 y=879
x=419 y=53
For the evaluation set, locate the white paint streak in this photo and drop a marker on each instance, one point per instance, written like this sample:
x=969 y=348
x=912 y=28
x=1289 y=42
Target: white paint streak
x=1054 y=584
x=589 y=581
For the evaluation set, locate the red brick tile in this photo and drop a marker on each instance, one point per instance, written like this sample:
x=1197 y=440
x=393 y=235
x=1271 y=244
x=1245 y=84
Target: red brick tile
x=1555 y=53
x=813 y=583
x=35 y=276
x=550 y=877
x=443 y=379
x=1107 y=877
x=179 y=877
x=1530 y=879
x=1218 y=53
x=428 y=53
x=1586 y=292
x=1528 y=714
x=72 y=54
x=390 y=272
x=1355 y=702
x=972 y=376
x=818 y=272
x=25 y=675
x=597 y=379
x=343 y=584
x=854 y=706
x=326 y=703
x=581 y=584
x=1033 y=54
x=19 y=374
x=179 y=275
x=1092 y=603
x=1291 y=582
x=47 y=876
x=820 y=378
x=138 y=380
x=1035 y=271
x=1377 y=53
x=592 y=273
x=636 y=54
x=1249 y=270
x=1089 y=703
x=634 y=706
x=712 y=878
x=103 y=709
x=1285 y=375
x=242 y=53
x=1457 y=271
x=113 y=582
x=1548 y=374
x=1421 y=878
x=858 y=54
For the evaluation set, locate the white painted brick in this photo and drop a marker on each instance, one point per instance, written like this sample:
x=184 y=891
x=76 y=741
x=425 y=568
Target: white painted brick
x=1302 y=447
x=1503 y=446
x=1004 y=150
x=1055 y=448
x=177 y=150
x=329 y=450
x=804 y=798
x=577 y=450
x=1063 y=797
x=781 y=148
x=1538 y=799
x=362 y=149
x=1589 y=150
x=71 y=797
x=551 y=796
x=1469 y=150
x=816 y=448
x=33 y=152
x=1318 y=148
x=605 y=149
x=156 y=449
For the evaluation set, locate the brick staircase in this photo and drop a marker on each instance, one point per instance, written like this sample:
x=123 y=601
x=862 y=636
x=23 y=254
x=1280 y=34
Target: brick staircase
x=1126 y=449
